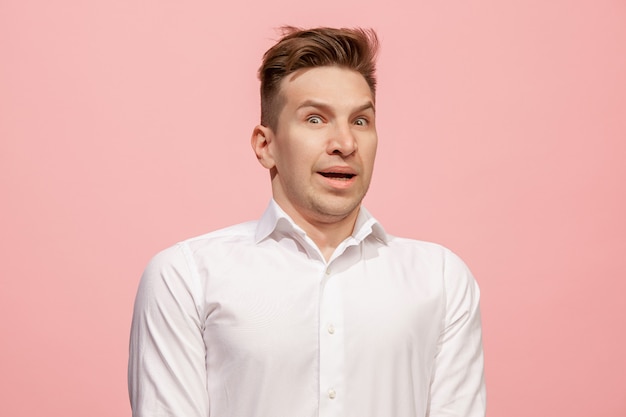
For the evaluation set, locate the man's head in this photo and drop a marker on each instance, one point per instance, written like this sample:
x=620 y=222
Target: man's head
x=353 y=49
x=318 y=135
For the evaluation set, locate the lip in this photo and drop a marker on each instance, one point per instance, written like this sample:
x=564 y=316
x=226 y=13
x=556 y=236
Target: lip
x=338 y=177
x=339 y=169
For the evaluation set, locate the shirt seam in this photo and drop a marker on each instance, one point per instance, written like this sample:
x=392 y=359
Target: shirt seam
x=194 y=283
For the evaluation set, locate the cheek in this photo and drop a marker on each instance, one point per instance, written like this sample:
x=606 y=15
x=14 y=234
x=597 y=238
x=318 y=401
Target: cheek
x=302 y=153
x=296 y=158
x=368 y=152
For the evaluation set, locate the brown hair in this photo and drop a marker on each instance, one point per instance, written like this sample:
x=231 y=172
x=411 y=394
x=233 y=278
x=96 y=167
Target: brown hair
x=354 y=49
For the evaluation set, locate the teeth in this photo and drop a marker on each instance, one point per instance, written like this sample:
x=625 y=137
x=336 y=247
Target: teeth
x=337 y=175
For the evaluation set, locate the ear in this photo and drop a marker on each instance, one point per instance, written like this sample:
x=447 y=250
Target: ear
x=261 y=142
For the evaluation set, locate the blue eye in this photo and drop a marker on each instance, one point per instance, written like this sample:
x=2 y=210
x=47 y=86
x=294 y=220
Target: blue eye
x=314 y=119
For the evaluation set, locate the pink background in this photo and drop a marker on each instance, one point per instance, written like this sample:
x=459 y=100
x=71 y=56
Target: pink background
x=125 y=127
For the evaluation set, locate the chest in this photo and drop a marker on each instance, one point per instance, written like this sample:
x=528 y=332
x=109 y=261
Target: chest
x=264 y=307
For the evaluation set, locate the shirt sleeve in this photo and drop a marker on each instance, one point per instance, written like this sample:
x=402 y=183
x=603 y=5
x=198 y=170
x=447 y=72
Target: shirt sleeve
x=166 y=368
x=458 y=385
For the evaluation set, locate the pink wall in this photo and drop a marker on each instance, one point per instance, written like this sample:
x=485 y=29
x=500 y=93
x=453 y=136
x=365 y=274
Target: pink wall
x=124 y=127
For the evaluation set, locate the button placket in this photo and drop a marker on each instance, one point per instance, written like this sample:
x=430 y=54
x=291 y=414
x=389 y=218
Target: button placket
x=331 y=366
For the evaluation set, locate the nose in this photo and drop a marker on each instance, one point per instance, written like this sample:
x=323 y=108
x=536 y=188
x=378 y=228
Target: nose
x=342 y=141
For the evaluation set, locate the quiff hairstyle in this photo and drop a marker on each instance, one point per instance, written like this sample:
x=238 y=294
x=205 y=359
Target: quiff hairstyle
x=353 y=49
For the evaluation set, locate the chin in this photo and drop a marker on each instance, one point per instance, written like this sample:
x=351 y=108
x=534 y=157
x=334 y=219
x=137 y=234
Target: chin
x=338 y=210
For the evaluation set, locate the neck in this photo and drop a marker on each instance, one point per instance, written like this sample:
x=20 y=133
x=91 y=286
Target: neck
x=327 y=236
x=327 y=232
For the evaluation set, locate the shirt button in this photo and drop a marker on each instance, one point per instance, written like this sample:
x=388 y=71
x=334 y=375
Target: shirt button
x=331 y=329
x=328 y=271
x=332 y=394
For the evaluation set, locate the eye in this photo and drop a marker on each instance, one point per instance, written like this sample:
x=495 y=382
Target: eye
x=314 y=120
x=361 y=121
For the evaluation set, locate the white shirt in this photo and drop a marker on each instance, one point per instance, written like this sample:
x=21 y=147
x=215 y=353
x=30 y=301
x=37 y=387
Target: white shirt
x=251 y=321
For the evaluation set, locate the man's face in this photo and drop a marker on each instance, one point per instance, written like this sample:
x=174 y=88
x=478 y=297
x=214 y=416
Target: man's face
x=321 y=155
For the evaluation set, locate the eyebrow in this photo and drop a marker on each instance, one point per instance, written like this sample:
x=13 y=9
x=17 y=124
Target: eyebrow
x=319 y=105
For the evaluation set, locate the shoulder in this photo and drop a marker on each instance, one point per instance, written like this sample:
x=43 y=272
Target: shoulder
x=238 y=234
x=438 y=259
x=242 y=233
x=407 y=247
x=178 y=257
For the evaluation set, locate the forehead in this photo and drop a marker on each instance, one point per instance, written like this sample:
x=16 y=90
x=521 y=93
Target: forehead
x=331 y=84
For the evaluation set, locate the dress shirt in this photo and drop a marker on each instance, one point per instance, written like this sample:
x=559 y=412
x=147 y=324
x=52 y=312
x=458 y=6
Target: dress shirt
x=252 y=321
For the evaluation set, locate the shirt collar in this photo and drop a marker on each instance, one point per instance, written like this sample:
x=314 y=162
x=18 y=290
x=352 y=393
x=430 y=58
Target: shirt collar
x=274 y=219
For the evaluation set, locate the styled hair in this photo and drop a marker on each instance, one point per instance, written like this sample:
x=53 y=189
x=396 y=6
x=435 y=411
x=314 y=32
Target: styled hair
x=353 y=49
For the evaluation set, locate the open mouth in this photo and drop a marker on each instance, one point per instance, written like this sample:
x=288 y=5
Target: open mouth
x=337 y=175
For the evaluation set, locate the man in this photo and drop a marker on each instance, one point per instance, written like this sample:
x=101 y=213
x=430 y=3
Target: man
x=313 y=310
